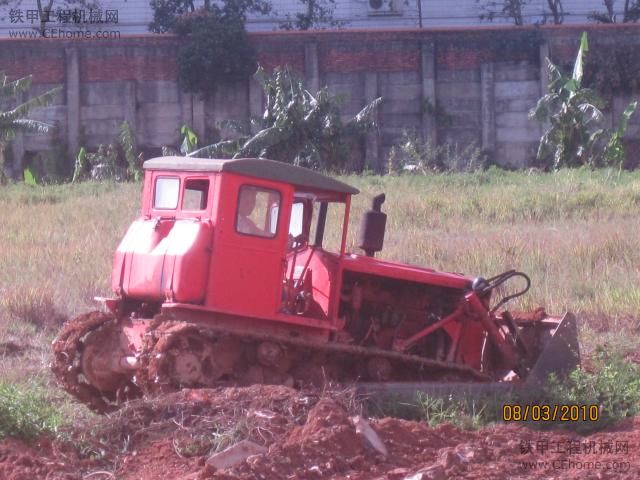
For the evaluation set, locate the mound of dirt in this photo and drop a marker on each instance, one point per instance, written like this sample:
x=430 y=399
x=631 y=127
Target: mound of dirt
x=308 y=435
x=43 y=459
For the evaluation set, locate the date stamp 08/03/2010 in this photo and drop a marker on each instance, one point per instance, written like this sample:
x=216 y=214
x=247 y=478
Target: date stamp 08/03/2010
x=550 y=413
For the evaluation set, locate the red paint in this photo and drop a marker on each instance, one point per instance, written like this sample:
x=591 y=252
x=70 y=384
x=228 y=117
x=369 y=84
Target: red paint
x=362 y=264
x=463 y=58
x=117 y=67
x=43 y=68
x=191 y=254
x=271 y=60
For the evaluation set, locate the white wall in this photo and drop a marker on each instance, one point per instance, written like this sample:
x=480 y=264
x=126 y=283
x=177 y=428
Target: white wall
x=134 y=15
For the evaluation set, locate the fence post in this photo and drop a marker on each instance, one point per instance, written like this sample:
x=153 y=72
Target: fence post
x=72 y=75
x=428 y=74
x=488 y=107
x=372 y=142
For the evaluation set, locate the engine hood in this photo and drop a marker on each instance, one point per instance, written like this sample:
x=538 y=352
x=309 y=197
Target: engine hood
x=374 y=266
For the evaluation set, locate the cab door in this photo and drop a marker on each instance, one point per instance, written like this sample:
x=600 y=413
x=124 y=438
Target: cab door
x=249 y=247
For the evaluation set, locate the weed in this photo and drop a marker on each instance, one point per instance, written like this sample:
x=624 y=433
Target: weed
x=423 y=157
x=26 y=412
x=463 y=410
x=33 y=305
x=614 y=386
x=468 y=413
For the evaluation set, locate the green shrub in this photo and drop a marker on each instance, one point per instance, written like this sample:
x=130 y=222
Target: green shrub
x=466 y=412
x=25 y=411
x=463 y=410
x=614 y=386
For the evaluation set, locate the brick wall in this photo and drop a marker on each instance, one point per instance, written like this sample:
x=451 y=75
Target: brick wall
x=457 y=86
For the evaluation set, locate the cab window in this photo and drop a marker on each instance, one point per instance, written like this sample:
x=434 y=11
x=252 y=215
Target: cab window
x=255 y=211
x=166 y=193
x=296 y=225
x=196 y=191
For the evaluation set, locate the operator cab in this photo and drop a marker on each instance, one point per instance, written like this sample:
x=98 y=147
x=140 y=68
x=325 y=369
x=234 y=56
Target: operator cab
x=243 y=236
x=316 y=239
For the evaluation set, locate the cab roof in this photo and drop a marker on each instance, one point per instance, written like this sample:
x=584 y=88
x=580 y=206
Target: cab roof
x=253 y=167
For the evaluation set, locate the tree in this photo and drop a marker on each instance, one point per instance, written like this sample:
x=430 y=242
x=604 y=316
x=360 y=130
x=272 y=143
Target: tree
x=317 y=13
x=511 y=9
x=575 y=135
x=167 y=13
x=215 y=49
x=15 y=120
x=630 y=12
x=296 y=127
x=556 y=10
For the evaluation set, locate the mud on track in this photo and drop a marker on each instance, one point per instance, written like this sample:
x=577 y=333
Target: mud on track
x=309 y=435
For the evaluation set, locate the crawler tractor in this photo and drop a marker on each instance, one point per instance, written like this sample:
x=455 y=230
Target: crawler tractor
x=236 y=272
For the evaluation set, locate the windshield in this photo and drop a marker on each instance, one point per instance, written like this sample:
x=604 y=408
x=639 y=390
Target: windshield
x=166 y=193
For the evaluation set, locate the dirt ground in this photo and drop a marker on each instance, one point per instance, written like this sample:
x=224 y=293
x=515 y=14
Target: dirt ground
x=309 y=435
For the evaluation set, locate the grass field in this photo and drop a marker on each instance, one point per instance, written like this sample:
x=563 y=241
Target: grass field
x=574 y=232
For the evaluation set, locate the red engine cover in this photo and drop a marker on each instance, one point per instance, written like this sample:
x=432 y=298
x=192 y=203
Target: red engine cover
x=164 y=258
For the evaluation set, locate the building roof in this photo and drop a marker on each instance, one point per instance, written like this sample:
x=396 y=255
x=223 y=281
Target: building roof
x=253 y=167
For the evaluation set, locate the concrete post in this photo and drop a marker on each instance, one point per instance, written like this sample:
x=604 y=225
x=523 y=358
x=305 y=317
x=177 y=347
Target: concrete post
x=544 y=72
x=255 y=100
x=130 y=106
x=72 y=77
x=186 y=108
x=17 y=154
x=372 y=141
x=311 y=69
x=544 y=78
x=488 y=107
x=428 y=72
x=17 y=151
x=198 y=115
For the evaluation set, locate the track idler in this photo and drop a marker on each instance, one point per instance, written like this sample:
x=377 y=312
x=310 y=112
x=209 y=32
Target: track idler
x=91 y=363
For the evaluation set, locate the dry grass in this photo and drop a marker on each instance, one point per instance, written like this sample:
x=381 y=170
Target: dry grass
x=57 y=244
x=573 y=232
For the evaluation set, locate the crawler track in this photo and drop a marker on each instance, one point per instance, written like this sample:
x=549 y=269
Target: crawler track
x=179 y=354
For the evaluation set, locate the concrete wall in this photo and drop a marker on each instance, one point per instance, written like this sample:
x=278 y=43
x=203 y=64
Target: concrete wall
x=449 y=86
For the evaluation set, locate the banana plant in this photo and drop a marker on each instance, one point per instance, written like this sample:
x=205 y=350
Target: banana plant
x=189 y=140
x=15 y=120
x=296 y=126
x=573 y=118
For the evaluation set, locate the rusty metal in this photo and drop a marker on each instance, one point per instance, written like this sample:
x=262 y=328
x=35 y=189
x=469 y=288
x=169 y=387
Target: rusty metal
x=67 y=364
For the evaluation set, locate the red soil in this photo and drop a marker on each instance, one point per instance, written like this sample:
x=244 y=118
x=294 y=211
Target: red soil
x=324 y=444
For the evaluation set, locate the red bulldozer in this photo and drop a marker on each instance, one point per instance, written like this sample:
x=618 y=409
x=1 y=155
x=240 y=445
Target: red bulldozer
x=236 y=272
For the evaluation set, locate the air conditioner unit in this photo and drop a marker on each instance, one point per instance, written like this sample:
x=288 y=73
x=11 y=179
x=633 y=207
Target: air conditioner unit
x=383 y=7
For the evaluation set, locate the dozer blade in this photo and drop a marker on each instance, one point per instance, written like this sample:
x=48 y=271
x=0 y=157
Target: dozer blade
x=560 y=356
